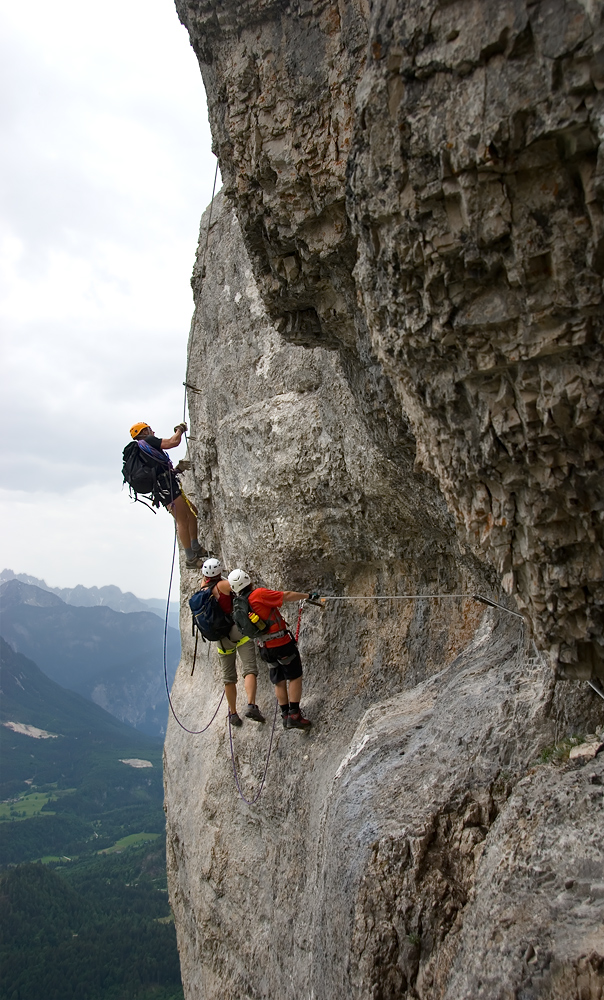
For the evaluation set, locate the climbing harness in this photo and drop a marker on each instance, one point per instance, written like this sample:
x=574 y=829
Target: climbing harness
x=251 y=802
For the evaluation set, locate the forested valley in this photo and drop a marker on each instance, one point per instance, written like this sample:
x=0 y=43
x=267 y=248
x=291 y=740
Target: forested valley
x=95 y=929
x=84 y=907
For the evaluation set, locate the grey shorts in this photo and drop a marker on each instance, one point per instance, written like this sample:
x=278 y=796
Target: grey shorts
x=228 y=648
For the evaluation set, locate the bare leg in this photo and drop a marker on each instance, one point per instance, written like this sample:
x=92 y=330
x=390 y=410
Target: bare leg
x=281 y=693
x=231 y=696
x=192 y=523
x=295 y=689
x=250 y=688
x=180 y=512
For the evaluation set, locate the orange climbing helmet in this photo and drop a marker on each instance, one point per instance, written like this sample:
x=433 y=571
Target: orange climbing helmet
x=137 y=428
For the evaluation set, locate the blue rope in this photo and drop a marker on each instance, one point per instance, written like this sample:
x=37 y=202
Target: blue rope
x=193 y=732
x=251 y=802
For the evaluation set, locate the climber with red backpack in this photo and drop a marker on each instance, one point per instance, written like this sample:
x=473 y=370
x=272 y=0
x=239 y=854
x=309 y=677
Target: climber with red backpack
x=148 y=471
x=256 y=613
x=212 y=608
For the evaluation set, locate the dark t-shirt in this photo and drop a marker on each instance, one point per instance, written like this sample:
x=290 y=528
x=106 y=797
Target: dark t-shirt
x=155 y=442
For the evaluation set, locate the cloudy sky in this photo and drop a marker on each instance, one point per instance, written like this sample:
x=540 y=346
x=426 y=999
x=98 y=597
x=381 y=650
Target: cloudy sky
x=105 y=170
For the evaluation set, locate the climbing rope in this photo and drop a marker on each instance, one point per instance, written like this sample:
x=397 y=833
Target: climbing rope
x=205 y=251
x=299 y=622
x=251 y=802
x=193 y=732
x=203 y=274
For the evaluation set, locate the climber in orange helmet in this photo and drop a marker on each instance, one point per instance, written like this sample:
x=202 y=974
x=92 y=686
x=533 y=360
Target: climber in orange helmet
x=166 y=488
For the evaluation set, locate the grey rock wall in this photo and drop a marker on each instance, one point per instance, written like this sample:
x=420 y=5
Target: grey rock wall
x=397 y=347
x=419 y=185
x=407 y=847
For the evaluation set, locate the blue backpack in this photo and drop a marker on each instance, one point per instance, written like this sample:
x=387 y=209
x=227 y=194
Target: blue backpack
x=209 y=618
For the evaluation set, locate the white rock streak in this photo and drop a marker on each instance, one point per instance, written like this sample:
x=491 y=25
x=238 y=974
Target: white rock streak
x=33 y=731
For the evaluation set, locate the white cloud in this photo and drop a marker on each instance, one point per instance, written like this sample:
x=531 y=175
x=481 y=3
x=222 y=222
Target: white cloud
x=93 y=536
x=106 y=170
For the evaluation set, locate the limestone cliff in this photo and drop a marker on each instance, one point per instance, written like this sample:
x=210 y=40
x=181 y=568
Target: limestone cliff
x=423 y=182
x=397 y=346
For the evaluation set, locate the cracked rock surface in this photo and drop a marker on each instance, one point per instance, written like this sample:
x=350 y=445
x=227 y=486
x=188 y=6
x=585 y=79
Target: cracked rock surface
x=397 y=347
x=409 y=846
x=420 y=188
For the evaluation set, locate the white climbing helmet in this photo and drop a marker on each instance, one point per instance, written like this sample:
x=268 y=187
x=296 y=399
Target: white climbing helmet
x=239 y=580
x=211 y=568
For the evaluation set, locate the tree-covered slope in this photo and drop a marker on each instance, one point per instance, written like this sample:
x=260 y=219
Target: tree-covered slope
x=74 y=752
x=101 y=931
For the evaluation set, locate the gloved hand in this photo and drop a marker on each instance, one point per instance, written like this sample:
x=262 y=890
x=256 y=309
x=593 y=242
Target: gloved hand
x=314 y=596
x=183 y=466
x=181 y=427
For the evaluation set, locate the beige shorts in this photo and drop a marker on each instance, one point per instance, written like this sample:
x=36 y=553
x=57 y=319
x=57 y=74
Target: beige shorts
x=228 y=648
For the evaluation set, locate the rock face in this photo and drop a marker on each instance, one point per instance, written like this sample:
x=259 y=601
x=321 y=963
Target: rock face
x=423 y=183
x=405 y=848
x=397 y=352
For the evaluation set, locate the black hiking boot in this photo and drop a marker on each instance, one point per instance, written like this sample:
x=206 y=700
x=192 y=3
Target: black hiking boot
x=253 y=712
x=234 y=719
x=295 y=720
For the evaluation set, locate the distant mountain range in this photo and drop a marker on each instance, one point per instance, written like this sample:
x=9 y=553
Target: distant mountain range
x=91 y=597
x=115 y=659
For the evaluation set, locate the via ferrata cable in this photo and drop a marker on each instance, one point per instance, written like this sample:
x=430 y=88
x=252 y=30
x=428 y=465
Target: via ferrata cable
x=594 y=688
x=427 y=597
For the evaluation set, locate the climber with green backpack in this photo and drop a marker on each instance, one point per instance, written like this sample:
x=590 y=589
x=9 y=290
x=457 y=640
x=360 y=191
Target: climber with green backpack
x=256 y=614
x=212 y=608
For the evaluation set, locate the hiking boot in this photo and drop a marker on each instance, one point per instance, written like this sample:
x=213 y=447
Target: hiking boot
x=195 y=563
x=297 y=721
x=234 y=719
x=253 y=712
